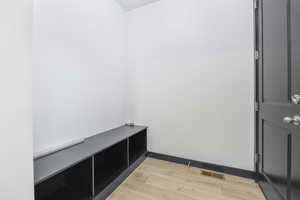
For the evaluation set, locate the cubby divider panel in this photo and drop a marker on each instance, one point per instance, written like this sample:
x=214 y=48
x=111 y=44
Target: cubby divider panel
x=109 y=164
x=74 y=183
x=137 y=146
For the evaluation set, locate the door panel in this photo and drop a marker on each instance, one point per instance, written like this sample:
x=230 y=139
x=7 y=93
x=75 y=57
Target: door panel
x=275 y=160
x=295 y=45
x=295 y=166
x=275 y=72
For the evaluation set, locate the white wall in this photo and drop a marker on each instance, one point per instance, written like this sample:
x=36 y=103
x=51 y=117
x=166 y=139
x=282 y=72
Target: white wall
x=79 y=70
x=191 y=75
x=133 y=4
x=192 y=78
x=16 y=164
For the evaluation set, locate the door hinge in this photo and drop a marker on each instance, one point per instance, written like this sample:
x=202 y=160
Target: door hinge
x=255 y=4
x=256 y=55
x=256 y=106
x=257 y=158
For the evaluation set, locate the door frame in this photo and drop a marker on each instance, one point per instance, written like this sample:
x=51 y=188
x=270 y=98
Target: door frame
x=257 y=55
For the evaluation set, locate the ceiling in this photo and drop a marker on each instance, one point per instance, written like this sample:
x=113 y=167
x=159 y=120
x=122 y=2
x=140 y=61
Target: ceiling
x=133 y=4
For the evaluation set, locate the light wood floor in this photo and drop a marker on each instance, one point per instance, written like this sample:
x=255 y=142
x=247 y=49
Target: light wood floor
x=161 y=180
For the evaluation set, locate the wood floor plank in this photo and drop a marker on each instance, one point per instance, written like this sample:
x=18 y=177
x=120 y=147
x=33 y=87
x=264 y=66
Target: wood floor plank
x=161 y=180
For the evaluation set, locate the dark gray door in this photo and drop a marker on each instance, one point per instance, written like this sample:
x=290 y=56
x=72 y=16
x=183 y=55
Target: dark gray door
x=278 y=72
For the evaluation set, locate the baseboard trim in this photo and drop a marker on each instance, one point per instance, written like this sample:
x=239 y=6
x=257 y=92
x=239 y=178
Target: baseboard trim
x=204 y=165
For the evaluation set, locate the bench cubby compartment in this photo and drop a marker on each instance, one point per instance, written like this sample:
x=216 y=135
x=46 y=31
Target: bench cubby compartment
x=74 y=183
x=109 y=164
x=137 y=146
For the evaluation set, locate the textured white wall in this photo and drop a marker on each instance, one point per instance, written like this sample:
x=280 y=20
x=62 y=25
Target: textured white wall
x=16 y=164
x=192 y=78
x=79 y=70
